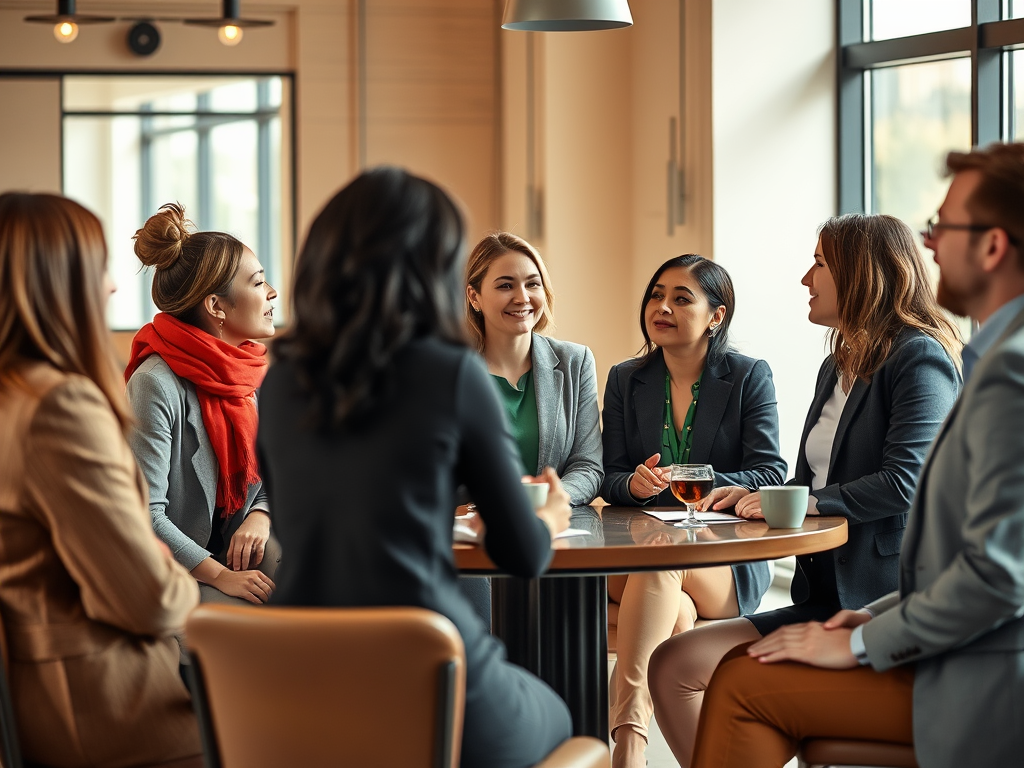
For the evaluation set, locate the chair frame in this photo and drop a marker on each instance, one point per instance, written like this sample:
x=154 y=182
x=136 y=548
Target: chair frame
x=10 y=751
x=446 y=696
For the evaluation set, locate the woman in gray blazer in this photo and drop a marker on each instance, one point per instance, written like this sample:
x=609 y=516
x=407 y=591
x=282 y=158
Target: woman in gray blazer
x=191 y=382
x=686 y=400
x=548 y=387
x=879 y=400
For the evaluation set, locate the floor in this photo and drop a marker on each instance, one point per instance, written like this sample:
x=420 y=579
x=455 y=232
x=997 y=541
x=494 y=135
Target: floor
x=777 y=596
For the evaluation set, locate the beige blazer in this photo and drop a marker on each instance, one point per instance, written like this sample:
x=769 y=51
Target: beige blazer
x=88 y=600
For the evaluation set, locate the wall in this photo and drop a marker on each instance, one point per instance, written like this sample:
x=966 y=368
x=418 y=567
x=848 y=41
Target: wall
x=773 y=107
x=448 y=94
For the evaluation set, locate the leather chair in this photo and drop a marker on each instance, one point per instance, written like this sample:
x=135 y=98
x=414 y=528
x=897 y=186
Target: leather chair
x=844 y=752
x=336 y=686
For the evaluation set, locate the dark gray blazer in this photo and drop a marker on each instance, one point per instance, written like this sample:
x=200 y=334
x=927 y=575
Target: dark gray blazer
x=959 y=612
x=565 y=379
x=171 y=446
x=879 y=447
x=735 y=429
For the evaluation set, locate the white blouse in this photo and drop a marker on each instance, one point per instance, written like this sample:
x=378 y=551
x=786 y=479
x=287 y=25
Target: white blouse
x=818 y=449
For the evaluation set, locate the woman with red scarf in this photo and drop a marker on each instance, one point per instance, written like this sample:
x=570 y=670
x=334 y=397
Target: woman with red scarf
x=192 y=380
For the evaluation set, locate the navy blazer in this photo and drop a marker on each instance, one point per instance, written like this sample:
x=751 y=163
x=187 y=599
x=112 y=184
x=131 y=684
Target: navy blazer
x=880 y=445
x=735 y=429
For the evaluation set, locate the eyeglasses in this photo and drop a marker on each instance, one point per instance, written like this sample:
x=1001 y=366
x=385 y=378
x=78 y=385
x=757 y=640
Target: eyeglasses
x=934 y=224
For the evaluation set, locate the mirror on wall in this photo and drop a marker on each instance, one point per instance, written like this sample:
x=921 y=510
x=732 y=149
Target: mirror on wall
x=219 y=145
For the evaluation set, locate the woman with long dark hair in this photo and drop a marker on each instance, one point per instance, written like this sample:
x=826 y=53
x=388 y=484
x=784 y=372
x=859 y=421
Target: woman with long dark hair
x=372 y=416
x=687 y=399
x=89 y=598
x=880 y=398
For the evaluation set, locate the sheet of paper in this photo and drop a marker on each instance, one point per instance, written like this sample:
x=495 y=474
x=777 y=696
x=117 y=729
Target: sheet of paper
x=570 y=532
x=677 y=515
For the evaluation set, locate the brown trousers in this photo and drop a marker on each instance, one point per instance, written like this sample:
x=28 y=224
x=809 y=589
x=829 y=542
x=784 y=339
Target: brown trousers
x=756 y=714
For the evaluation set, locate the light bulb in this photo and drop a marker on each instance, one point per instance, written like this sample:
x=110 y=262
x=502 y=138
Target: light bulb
x=65 y=31
x=229 y=34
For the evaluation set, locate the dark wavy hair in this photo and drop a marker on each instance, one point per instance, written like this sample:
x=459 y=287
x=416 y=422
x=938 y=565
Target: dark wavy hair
x=717 y=287
x=382 y=265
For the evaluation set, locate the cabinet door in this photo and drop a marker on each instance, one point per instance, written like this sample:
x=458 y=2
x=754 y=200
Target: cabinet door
x=30 y=149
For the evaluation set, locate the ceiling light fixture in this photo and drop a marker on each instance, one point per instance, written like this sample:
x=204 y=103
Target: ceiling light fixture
x=230 y=24
x=66 y=21
x=566 y=15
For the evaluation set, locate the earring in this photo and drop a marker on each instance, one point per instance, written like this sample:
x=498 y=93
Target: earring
x=476 y=309
x=711 y=329
x=220 y=329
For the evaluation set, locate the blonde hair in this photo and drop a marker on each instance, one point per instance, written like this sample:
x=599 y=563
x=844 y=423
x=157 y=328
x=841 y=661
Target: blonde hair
x=882 y=287
x=486 y=252
x=53 y=294
x=189 y=265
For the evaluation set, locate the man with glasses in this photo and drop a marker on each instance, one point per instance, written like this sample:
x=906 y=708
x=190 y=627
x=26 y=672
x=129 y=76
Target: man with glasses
x=939 y=664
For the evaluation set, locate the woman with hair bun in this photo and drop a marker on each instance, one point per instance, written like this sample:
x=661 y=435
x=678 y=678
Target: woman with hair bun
x=89 y=598
x=192 y=380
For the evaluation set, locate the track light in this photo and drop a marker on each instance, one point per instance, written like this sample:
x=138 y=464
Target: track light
x=66 y=21
x=229 y=25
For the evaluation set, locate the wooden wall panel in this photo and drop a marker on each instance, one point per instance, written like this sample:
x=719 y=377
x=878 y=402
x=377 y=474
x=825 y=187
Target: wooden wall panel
x=432 y=102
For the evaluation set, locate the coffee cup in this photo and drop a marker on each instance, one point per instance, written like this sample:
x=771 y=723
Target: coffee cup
x=538 y=493
x=784 y=506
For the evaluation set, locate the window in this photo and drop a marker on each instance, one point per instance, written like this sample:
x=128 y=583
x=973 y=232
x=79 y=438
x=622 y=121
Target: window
x=218 y=145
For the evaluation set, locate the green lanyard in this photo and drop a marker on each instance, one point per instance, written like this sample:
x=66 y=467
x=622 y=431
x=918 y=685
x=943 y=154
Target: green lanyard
x=675 y=446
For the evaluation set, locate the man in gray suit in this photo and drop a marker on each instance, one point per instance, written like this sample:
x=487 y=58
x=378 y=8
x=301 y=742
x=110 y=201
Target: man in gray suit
x=940 y=663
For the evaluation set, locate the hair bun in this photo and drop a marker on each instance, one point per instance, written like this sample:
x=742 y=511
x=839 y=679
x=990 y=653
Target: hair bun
x=162 y=238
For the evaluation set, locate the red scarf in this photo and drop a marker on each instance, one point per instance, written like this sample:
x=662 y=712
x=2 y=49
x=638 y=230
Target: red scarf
x=225 y=378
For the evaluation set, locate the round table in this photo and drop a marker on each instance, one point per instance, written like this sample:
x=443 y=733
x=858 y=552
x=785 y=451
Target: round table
x=556 y=626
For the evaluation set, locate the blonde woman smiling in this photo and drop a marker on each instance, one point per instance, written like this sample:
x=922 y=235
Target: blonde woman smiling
x=548 y=387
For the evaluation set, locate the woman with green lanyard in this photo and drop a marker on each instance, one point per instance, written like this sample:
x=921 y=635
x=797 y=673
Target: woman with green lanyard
x=687 y=399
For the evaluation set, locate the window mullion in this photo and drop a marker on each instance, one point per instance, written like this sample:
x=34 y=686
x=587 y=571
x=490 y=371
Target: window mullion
x=986 y=78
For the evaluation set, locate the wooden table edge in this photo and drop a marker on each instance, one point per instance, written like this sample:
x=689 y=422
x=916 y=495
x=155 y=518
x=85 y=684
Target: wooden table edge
x=473 y=559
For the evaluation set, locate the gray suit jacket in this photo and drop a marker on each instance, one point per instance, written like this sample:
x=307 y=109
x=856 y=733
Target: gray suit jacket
x=568 y=416
x=171 y=446
x=959 y=612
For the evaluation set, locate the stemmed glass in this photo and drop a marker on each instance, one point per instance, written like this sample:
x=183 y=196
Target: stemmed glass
x=690 y=483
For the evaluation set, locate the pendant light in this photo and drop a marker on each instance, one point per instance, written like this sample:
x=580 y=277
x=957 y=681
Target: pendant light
x=66 y=21
x=566 y=15
x=230 y=24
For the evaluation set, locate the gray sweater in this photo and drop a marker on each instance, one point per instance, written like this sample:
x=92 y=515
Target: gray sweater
x=171 y=446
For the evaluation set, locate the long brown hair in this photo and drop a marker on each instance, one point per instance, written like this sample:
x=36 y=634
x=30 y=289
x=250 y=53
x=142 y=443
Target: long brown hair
x=52 y=265
x=486 y=252
x=189 y=265
x=882 y=287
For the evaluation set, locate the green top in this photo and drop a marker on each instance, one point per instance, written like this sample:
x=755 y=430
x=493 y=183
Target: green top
x=675 y=444
x=521 y=408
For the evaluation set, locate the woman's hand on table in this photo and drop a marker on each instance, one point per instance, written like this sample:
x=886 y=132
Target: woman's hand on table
x=648 y=479
x=557 y=511
x=722 y=498
x=249 y=541
x=749 y=507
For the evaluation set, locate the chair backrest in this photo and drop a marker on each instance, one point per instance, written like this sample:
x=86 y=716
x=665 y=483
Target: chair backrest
x=327 y=686
x=10 y=751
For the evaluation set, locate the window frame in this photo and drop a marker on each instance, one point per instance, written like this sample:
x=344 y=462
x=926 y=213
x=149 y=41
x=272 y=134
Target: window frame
x=985 y=41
